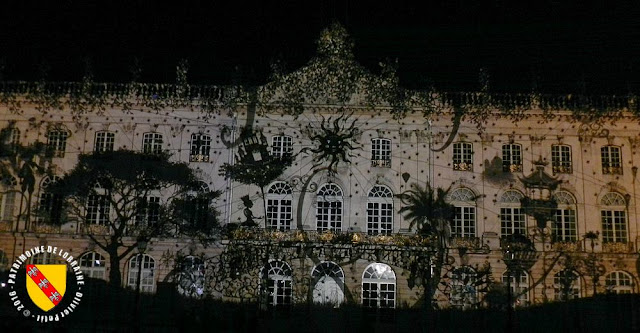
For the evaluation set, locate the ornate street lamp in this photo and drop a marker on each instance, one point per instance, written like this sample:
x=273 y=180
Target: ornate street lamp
x=541 y=206
x=519 y=254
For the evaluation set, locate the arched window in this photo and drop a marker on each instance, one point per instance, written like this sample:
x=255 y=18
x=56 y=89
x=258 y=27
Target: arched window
x=512 y=218
x=93 y=265
x=144 y=266
x=564 y=229
x=380 y=210
x=328 y=283
x=104 y=142
x=566 y=285
x=464 y=221
x=463 y=287
x=379 y=286
x=329 y=208
x=381 y=153
x=50 y=204
x=614 y=218
x=279 y=280
x=519 y=286
x=191 y=277
x=619 y=282
x=279 y=206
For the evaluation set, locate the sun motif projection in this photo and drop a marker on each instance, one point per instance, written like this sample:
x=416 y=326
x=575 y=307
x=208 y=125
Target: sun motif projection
x=333 y=142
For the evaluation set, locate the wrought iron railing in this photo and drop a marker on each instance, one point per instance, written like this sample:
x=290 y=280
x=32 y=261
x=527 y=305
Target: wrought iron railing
x=618 y=247
x=499 y=101
x=330 y=237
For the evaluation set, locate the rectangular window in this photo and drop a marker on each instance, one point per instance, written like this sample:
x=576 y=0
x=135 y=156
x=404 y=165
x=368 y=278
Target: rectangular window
x=8 y=201
x=369 y=295
x=379 y=218
x=564 y=230
x=512 y=221
x=378 y=295
x=152 y=143
x=463 y=156
x=512 y=158
x=387 y=295
x=200 y=147
x=197 y=210
x=614 y=226
x=282 y=146
x=145 y=267
x=104 y=142
x=464 y=222
x=611 y=160
x=381 y=153
x=148 y=211
x=280 y=292
x=50 y=207
x=57 y=142
x=97 y=209
x=279 y=214
x=11 y=138
x=329 y=215
x=561 y=159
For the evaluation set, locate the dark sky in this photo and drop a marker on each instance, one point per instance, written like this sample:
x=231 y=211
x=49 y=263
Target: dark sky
x=562 y=46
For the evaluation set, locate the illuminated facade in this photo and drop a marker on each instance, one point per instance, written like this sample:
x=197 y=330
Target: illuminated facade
x=329 y=228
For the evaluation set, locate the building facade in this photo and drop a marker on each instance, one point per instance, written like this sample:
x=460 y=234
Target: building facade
x=329 y=228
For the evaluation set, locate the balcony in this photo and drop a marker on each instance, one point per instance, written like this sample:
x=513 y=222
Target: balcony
x=199 y=158
x=611 y=170
x=469 y=245
x=96 y=229
x=381 y=163
x=43 y=228
x=562 y=169
x=6 y=226
x=567 y=246
x=512 y=168
x=617 y=247
x=463 y=166
x=292 y=237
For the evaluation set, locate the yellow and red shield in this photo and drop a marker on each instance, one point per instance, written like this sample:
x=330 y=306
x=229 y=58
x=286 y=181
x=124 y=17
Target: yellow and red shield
x=46 y=285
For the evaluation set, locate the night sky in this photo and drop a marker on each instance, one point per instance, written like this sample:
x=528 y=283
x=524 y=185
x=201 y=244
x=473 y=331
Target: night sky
x=558 y=46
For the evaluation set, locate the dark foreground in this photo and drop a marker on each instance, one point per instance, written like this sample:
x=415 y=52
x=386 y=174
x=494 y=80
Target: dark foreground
x=106 y=310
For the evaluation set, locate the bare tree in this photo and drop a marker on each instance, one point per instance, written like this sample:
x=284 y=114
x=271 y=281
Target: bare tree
x=120 y=194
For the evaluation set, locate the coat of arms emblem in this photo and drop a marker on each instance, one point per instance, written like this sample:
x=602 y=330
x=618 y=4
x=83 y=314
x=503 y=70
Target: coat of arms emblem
x=46 y=285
